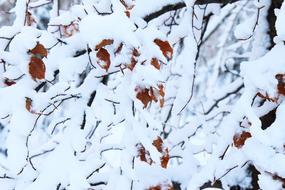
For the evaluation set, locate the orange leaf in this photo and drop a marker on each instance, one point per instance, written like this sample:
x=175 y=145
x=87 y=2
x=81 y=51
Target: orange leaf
x=158 y=144
x=165 y=47
x=104 y=43
x=144 y=154
x=239 y=139
x=39 y=50
x=144 y=97
x=164 y=159
x=104 y=56
x=37 y=68
x=28 y=104
x=155 y=63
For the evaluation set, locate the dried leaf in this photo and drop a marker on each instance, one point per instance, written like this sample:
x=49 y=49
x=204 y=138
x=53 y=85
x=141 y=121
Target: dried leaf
x=39 y=50
x=9 y=82
x=104 y=43
x=119 y=48
x=152 y=96
x=104 y=56
x=266 y=97
x=164 y=159
x=29 y=19
x=161 y=90
x=165 y=47
x=281 y=84
x=144 y=154
x=37 y=68
x=28 y=104
x=155 y=63
x=158 y=144
x=144 y=97
x=239 y=139
x=161 y=102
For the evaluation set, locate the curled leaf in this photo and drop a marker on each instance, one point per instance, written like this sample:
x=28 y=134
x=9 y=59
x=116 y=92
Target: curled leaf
x=9 y=82
x=39 y=50
x=28 y=104
x=104 y=43
x=165 y=47
x=239 y=139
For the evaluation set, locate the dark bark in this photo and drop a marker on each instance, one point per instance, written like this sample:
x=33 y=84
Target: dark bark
x=173 y=7
x=271 y=18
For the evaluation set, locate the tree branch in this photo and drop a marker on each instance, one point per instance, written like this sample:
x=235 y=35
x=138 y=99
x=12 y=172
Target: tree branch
x=173 y=7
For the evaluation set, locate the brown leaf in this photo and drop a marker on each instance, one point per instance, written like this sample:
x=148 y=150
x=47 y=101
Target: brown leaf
x=164 y=159
x=158 y=144
x=37 y=68
x=161 y=102
x=144 y=97
x=104 y=56
x=151 y=93
x=39 y=50
x=281 y=84
x=154 y=62
x=266 y=97
x=29 y=19
x=161 y=90
x=119 y=48
x=144 y=154
x=162 y=187
x=165 y=47
x=104 y=43
x=28 y=104
x=9 y=82
x=239 y=139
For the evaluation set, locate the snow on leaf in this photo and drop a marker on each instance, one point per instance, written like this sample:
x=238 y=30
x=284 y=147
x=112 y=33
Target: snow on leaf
x=165 y=47
x=39 y=50
x=155 y=63
x=37 y=68
x=103 y=55
x=144 y=97
x=104 y=43
x=239 y=139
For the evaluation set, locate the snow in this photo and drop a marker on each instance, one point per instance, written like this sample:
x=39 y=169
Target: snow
x=83 y=124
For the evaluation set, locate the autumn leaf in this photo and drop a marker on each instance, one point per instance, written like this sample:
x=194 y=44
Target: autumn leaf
x=239 y=139
x=134 y=61
x=39 y=50
x=165 y=47
x=154 y=62
x=104 y=43
x=28 y=104
x=119 y=48
x=266 y=97
x=104 y=56
x=158 y=144
x=37 y=68
x=164 y=159
x=281 y=84
x=144 y=97
x=144 y=154
x=9 y=82
x=162 y=187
